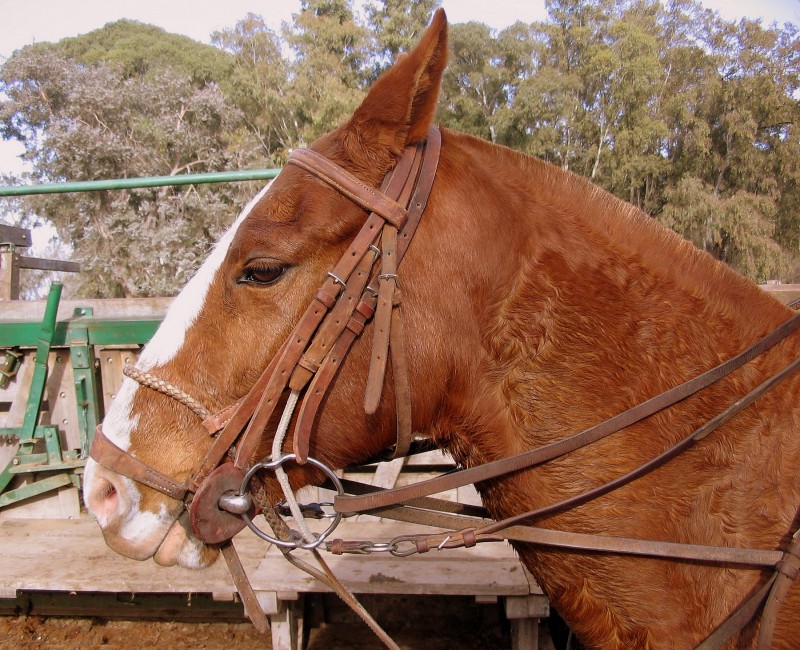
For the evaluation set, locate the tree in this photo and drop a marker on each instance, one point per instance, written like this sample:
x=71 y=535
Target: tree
x=396 y=26
x=138 y=50
x=733 y=123
x=483 y=76
x=260 y=85
x=329 y=69
x=81 y=122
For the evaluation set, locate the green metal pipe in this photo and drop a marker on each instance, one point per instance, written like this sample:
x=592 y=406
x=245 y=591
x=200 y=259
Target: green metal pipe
x=49 y=320
x=130 y=183
x=39 y=379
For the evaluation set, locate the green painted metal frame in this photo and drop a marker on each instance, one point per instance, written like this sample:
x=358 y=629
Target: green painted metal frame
x=79 y=334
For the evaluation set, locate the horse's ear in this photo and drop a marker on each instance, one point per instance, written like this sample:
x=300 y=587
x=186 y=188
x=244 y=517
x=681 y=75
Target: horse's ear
x=399 y=108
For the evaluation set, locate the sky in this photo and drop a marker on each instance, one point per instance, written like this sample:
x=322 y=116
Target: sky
x=51 y=20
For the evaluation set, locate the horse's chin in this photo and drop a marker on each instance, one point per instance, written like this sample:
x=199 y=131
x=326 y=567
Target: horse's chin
x=183 y=549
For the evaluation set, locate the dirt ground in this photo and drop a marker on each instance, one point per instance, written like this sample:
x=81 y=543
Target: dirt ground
x=412 y=624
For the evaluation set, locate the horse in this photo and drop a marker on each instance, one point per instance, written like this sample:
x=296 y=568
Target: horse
x=534 y=305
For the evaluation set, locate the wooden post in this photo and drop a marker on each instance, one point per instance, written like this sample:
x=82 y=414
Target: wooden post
x=11 y=237
x=9 y=272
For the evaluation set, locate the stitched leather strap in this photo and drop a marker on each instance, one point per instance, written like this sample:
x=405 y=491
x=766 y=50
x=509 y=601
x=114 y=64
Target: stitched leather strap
x=249 y=599
x=387 y=283
x=350 y=186
x=107 y=454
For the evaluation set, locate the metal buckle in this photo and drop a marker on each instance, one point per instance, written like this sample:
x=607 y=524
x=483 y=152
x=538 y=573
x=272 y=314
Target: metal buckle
x=337 y=279
x=298 y=543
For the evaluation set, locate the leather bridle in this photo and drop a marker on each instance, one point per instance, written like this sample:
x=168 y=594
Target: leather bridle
x=311 y=356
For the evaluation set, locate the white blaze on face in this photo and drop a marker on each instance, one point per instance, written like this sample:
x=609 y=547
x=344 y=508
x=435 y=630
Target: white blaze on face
x=168 y=339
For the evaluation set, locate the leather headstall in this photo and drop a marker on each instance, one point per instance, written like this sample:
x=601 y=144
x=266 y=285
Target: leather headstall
x=361 y=285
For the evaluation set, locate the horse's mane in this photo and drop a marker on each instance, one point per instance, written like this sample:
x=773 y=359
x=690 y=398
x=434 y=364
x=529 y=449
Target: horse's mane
x=631 y=231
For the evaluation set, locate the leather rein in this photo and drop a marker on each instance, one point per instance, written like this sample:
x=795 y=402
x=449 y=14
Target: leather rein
x=309 y=360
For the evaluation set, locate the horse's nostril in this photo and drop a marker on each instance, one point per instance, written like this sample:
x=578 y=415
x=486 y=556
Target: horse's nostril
x=103 y=500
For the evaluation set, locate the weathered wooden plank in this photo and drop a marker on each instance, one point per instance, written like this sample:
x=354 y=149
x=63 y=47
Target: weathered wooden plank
x=15 y=235
x=70 y=555
x=40 y=264
x=103 y=308
x=112 y=361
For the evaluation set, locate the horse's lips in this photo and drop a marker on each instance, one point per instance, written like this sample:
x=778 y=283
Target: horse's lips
x=169 y=551
x=179 y=547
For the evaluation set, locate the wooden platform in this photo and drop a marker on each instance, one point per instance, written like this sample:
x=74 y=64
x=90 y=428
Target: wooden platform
x=69 y=555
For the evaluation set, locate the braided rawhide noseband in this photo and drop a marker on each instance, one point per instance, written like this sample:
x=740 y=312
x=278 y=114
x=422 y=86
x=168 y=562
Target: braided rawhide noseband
x=170 y=390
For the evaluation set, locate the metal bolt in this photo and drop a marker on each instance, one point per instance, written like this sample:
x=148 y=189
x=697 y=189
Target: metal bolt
x=15 y=461
x=237 y=504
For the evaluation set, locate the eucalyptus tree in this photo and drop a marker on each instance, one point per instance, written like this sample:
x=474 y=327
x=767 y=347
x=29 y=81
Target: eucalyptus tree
x=260 y=85
x=483 y=76
x=732 y=186
x=396 y=26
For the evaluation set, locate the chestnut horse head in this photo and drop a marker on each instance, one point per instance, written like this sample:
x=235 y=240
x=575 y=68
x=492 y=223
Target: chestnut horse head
x=534 y=305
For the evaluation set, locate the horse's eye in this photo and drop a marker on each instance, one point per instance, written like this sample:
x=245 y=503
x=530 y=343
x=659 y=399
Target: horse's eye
x=261 y=276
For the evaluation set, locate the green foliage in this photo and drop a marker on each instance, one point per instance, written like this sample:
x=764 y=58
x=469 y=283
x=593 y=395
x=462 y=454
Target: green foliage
x=329 y=69
x=668 y=106
x=141 y=50
x=396 y=26
x=82 y=122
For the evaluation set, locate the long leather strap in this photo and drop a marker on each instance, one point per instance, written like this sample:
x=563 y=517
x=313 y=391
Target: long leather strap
x=252 y=608
x=347 y=504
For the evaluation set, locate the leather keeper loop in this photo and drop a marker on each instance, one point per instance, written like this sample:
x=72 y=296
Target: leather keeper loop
x=325 y=298
x=790 y=567
x=217 y=422
x=422 y=545
x=308 y=364
x=469 y=538
x=367 y=311
x=356 y=326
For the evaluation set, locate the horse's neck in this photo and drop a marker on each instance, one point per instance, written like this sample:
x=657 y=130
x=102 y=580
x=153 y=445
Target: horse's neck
x=602 y=309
